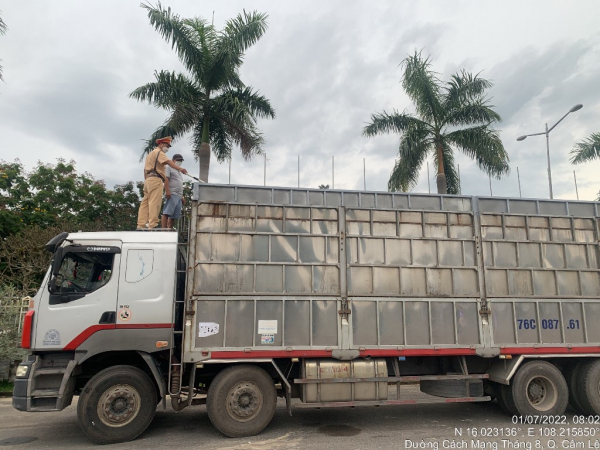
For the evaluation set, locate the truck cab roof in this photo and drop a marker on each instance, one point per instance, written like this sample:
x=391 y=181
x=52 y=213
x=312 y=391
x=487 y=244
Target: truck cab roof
x=127 y=236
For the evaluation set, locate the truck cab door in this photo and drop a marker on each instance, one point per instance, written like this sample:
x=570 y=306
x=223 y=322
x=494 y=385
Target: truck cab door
x=81 y=295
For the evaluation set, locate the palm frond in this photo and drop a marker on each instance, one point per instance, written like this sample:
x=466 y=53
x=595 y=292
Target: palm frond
x=586 y=150
x=422 y=85
x=465 y=102
x=472 y=114
x=239 y=34
x=243 y=31
x=245 y=135
x=174 y=30
x=221 y=143
x=160 y=132
x=392 y=123
x=169 y=89
x=244 y=102
x=182 y=119
x=3 y=27
x=414 y=147
x=484 y=145
x=464 y=87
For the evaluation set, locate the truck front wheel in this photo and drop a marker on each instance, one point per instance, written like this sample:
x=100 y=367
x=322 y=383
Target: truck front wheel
x=241 y=401
x=116 y=405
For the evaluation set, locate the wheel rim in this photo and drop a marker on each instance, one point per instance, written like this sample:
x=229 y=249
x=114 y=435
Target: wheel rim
x=119 y=405
x=244 y=401
x=541 y=393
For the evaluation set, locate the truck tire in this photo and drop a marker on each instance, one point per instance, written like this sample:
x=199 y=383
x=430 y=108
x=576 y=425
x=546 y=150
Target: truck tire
x=241 y=401
x=452 y=388
x=588 y=389
x=572 y=377
x=506 y=401
x=116 y=405
x=539 y=388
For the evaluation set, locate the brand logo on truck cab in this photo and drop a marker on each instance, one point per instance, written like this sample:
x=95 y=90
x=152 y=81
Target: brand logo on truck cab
x=98 y=249
x=52 y=337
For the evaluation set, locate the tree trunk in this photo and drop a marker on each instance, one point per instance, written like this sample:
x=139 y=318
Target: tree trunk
x=204 y=158
x=441 y=175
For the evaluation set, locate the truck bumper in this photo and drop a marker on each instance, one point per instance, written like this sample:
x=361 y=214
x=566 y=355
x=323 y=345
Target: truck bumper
x=19 y=400
x=21 y=384
x=43 y=382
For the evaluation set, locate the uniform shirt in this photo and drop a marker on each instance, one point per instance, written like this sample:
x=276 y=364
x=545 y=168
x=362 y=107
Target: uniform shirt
x=151 y=159
x=175 y=181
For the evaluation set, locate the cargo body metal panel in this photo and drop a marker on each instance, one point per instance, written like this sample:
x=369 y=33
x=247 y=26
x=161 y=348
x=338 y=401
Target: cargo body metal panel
x=541 y=271
x=410 y=264
x=275 y=268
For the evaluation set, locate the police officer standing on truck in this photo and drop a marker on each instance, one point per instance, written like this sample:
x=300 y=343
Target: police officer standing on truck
x=154 y=177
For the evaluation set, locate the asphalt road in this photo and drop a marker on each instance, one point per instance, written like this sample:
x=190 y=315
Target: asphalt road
x=390 y=427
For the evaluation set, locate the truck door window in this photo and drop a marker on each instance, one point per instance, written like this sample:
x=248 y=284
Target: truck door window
x=81 y=273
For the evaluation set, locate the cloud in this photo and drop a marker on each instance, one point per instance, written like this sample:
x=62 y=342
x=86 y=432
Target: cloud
x=325 y=66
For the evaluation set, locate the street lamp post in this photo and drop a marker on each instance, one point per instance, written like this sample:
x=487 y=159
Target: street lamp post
x=547 y=133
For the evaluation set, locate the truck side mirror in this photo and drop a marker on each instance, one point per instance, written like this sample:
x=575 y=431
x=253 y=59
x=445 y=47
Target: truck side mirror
x=57 y=260
x=56 y=263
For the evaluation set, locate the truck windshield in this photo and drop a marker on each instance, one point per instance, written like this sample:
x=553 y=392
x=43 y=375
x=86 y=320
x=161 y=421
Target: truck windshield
x=84 y=272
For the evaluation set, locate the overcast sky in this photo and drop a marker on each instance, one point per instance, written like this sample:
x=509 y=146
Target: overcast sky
x=326 y=66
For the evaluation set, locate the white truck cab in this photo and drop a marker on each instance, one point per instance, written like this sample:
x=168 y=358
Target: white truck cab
x=106 y=295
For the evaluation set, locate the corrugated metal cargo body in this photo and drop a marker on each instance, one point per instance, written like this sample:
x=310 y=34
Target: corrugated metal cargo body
x=330 y=273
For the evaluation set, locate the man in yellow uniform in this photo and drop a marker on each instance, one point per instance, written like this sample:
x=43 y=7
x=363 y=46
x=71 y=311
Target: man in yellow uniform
x=154 y=176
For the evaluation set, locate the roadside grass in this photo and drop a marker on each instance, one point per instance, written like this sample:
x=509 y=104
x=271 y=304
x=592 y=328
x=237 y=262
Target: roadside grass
x=6 y=387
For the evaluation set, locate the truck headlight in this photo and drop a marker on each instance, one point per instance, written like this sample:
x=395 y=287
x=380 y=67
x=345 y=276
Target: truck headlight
x=22 y=371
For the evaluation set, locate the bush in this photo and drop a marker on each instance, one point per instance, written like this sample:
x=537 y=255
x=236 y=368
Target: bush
x=12 y=310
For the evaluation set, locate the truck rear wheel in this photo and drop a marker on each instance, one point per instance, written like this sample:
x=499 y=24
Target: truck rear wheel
x=241 y=401
x=506 y=401
x=539 y=388
x=588 y=391
x=573 y=380
x=116 y=405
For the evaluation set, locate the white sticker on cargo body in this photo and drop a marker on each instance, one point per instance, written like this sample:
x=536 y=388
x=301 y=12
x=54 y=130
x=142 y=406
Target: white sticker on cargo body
x=267 y=327
x=267 y=339
x=207 y=329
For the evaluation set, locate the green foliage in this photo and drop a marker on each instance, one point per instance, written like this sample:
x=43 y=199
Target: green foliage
x=211 y=101
x=451 y=116
x=11 y=309
x=36 y=206
x=53 y=194
x=586 y=150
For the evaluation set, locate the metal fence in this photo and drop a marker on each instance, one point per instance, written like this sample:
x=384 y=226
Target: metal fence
x=13 y=310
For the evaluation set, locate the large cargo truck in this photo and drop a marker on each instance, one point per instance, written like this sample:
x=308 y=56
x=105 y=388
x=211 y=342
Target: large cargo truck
x=325 y=298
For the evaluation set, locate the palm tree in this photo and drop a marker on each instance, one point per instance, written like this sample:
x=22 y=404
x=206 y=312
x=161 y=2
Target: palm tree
x=211 y=101
x=586 y=150
x=454 y=115
x=3 y=29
